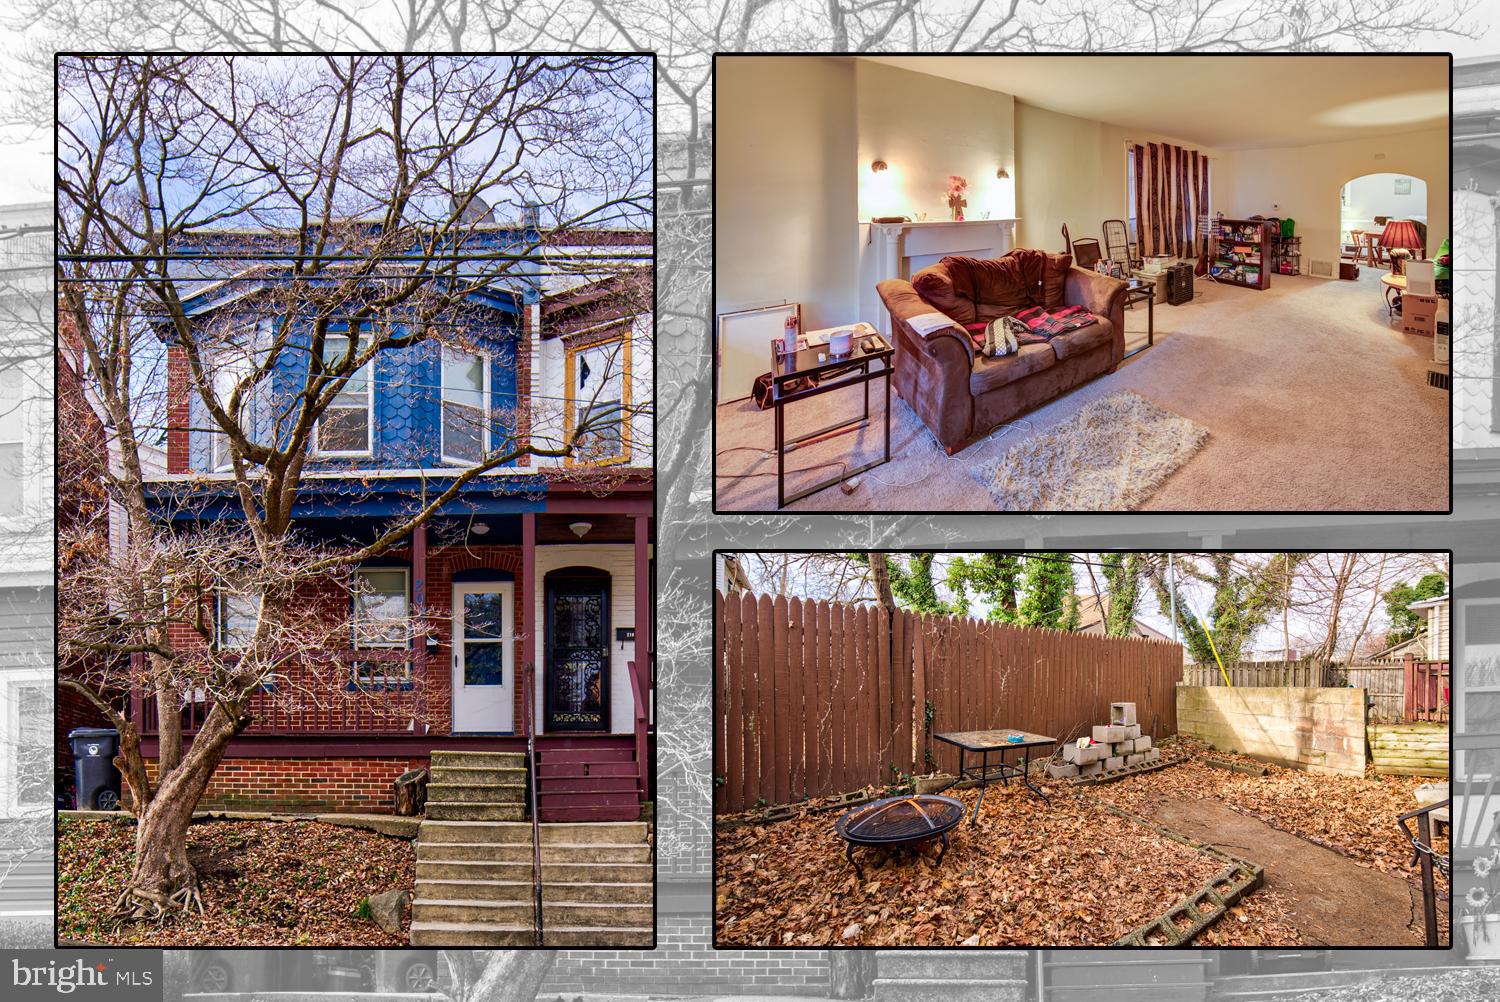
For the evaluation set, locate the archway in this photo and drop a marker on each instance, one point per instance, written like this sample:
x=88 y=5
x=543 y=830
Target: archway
x=1366 y=204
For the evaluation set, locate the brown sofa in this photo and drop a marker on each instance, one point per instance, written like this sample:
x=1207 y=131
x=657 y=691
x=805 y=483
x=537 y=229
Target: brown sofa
x=962 y=395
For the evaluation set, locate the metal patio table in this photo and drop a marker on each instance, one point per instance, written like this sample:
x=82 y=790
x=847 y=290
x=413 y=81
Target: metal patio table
x=987 y=743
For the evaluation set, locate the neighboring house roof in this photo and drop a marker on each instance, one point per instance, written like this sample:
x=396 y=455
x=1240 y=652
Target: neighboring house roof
x=1416 y=642
x=1091 y=615
x=1428 y=603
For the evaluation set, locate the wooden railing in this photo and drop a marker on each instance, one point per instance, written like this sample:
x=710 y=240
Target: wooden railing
x=1428 y=690
x=383 y=698
x=640 y=688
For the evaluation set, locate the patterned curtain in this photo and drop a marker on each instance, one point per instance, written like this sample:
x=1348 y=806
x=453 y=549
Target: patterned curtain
x=1176 y=182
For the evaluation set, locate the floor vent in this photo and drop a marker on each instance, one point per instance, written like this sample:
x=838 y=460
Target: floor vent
x=1321 y=269
x=1441 y=380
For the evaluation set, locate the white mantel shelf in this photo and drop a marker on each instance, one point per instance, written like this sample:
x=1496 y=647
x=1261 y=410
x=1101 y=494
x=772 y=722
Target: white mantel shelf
x=899 y=250
x=948 y=222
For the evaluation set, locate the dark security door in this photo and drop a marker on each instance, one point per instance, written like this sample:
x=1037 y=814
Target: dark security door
x=577 y=644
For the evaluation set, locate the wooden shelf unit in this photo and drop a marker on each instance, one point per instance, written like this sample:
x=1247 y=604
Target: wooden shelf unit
x=1250 y=267
x=1286 y=254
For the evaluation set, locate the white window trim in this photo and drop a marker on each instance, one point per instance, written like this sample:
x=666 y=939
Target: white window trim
x=217 y=440
x=11 y=736
x=219 y=634
x=369 y=449
x=484 y=444
x=354 y=639
x=23 y=416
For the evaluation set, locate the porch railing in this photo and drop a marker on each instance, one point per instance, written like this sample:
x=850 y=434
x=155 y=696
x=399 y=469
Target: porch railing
x=640 y=688
x=1428 y=690
x=377 y=693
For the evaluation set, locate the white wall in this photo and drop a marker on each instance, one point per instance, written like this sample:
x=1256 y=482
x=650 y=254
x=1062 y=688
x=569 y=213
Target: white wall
x=1375 y=195
x=786 y=201
x=1304 y=181
x=618 y=559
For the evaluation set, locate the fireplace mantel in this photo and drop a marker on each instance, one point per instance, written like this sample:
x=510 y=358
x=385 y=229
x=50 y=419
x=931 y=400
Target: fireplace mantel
x=899 y=250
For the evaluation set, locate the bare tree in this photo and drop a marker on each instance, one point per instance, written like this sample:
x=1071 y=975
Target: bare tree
x=368 y=187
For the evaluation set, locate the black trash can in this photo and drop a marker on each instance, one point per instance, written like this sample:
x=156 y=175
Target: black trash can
x=95 y=777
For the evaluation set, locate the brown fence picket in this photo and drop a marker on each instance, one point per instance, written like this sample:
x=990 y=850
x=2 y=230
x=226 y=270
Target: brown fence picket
x=724 y=666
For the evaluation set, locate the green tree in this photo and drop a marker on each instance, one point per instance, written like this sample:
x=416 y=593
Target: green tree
x=913 y=585
x=1405 y=623
x=994 y=578
x=1122 y=583
x=1245 y=596
x=1048 y=586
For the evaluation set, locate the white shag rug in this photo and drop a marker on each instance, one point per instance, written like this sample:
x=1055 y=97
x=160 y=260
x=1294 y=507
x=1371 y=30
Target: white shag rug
x=1109 y=456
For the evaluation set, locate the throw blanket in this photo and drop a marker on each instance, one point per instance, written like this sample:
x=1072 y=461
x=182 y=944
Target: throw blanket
x=1033 y=325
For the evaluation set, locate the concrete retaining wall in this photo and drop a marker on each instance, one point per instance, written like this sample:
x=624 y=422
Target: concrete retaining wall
x=1320 y=730
x=1418 y=749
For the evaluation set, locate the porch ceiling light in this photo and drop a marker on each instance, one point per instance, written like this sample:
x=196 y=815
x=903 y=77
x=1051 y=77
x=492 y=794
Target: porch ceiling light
x=580 y=529
x=479 y=528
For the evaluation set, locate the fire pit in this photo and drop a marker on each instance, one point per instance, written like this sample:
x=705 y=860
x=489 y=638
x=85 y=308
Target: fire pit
x=902 y=822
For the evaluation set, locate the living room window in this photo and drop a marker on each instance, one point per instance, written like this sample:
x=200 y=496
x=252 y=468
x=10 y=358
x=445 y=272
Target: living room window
x=236 y=616
x=598 y=379
x=382 y=611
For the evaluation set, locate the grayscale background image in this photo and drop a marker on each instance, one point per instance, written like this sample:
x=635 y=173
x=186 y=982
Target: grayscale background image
x=685 y=35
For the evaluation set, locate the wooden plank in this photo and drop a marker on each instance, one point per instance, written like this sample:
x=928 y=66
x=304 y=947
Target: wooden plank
x=810 y=705
x=742 y=752
x=885 y=699
x=795 y=722
x=920 y=736
x=765 y=683
x=869 y=712
x=854 y=678
x=781 y=691
x=838 y=705
x=825 y=702
x=721 y=700
x=900 y=694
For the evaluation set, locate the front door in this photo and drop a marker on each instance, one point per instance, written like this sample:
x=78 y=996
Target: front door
x=577 y=661
x=484 y=682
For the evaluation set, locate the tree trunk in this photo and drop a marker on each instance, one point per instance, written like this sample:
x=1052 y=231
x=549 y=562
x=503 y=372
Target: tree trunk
x=850 y=973
x=513 y=976
x=881 y=577
x=163 y=878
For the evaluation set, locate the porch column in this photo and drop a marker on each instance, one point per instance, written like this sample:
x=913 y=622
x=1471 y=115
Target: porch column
x=419 y=598
x=528 y=617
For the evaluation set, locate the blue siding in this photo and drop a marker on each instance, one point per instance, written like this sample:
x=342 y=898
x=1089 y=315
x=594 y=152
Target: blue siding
x=406 y=414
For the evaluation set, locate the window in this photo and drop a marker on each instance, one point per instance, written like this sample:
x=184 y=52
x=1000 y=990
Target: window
x=381 y=609
x=12 y=441
x=236 y=618
x=598 y=397
x=344 y=429
x=465 y=409
x=1130 y=218
x=33 y=777
x=229 y=369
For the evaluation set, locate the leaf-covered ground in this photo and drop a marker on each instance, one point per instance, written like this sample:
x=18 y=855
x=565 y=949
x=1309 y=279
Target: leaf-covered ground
x=1070 y=874
x=1029 y=874
x=265 y=883
x=1448 y=986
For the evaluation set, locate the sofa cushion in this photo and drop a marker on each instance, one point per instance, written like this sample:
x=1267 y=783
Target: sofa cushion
x=1054 y=279
x=993 y=373
x=999 y=286
x=937 y=285
x=1083 y=340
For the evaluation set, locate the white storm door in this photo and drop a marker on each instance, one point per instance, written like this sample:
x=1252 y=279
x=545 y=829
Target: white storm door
x=484 y=682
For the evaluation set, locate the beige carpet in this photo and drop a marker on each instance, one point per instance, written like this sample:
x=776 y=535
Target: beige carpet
x=1312 y=401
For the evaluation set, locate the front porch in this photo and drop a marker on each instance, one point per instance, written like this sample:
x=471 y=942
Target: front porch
x=526 y=617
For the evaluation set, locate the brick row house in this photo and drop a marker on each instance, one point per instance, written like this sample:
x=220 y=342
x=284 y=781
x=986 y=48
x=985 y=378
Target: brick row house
x=542 y=561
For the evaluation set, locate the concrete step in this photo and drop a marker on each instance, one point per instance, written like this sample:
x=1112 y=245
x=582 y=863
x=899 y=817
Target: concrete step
x=950 y=990
x=465 y=934
x=611 y=892
x=938 y=964
x=453 y=793
x=1130 y=993
x=492 y=833
x=475 y=811
x=521 y=870
x=597 y=936
x=471 y=910
x=479 y=759
x=1261 y=986
x=504 y=891
x=469 y=775
x=519 y=832
x=595 y=914
x=560 y=854
x=613 y=832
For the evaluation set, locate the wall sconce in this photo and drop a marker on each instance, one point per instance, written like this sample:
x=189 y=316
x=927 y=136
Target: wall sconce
x=879 y=165
x=580 y=529
x=1002 y=174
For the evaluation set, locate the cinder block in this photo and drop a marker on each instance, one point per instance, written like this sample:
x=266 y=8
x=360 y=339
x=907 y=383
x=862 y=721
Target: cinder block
x=1072 y=754
x=1106 y=734
x=1113 y=763
x=1154 y=755
x=1091 y=769
x=1134 y=759
x=1061 y=770
x=1133 y=731
x=1122 y=714
x=1143 y=744
x=1082 y=756
x=1126 y=747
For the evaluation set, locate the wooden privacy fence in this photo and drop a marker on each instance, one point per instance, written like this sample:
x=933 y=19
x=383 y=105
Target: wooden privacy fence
x=816 y=698
x=1427 y=689
x=1293 y=674
x=1408 y=690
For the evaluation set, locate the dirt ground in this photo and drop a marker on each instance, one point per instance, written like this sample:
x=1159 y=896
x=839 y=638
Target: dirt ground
x=1338 y=871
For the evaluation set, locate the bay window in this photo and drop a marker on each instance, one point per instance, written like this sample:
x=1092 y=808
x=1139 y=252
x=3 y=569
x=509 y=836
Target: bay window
x=465 y=407
x=345 y=427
